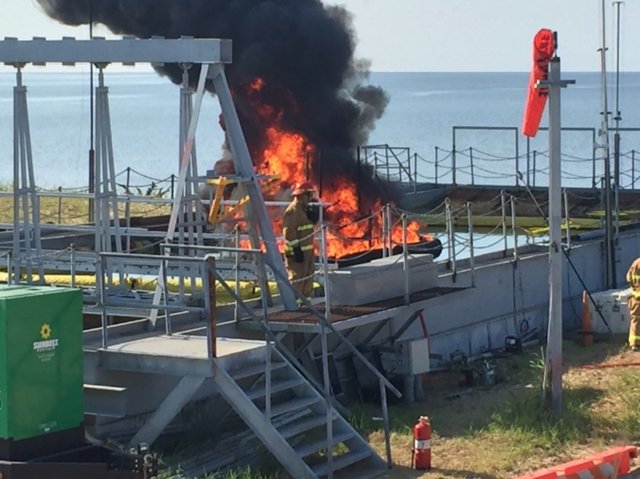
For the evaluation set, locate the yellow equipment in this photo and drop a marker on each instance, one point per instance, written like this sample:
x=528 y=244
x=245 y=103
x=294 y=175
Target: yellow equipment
x=217 y=212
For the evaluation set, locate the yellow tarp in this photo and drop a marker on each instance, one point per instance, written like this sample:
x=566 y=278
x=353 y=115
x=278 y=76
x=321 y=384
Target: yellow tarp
x=533 y=225
x=577 y=225
x=248 y=289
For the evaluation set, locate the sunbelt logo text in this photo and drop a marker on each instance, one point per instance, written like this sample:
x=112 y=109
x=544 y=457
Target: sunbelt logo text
x=47 y=344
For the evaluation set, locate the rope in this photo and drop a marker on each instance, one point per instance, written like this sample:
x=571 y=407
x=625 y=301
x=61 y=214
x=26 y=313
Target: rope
x=160 y=180
x=575 y=159
x=424 y=160
x=568 y=258
x=492 y=212
x=491 y=156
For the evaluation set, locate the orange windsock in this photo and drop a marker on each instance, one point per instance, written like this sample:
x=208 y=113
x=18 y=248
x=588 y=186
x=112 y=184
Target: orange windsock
x=543 y=50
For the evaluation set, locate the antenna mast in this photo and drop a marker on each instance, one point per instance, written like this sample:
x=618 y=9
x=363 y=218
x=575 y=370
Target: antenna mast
x=616 y=137
x=610 y=273
x=92 y=151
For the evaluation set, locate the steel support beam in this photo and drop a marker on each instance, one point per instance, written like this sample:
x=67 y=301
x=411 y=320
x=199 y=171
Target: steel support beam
x=26 y=204
x=261 y=425
x=244 y=167
x=127 y=50
x=168 y=409
x=405 y=325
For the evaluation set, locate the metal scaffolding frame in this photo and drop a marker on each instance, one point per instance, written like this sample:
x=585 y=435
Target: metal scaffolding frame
x=211 y=54
x=107 y=221
x=26 y=204
x=191 y=230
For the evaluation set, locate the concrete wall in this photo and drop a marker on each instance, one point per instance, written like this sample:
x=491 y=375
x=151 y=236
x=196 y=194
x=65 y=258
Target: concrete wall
x=511 y=297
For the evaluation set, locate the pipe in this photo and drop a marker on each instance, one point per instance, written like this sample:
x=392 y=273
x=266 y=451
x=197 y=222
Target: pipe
x=327 y=283
x=514 y=229
x=503 y=203
x=471 y=255
x=405 y=254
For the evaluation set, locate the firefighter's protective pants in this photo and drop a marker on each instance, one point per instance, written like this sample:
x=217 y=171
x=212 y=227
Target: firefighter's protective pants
x=634 y=326
x=301 y=274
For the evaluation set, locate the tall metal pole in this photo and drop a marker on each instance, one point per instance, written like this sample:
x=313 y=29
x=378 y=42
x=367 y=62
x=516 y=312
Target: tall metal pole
x=554 y=345
x=553 y=362
x=604 y=144
x=616 y=138
x=92 y=151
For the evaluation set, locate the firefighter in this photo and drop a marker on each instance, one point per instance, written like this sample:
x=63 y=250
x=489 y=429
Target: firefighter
x=633 y=278
x=297 y=229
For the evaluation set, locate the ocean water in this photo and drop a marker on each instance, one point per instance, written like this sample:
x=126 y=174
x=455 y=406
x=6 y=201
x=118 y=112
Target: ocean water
x=424 y=108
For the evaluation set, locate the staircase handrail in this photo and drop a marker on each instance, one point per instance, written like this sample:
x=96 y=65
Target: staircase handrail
x=279 y=345
x=341 y=336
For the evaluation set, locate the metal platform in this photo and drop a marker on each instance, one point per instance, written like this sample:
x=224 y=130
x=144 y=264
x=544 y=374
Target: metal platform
x=180 y=354
x=348 y=317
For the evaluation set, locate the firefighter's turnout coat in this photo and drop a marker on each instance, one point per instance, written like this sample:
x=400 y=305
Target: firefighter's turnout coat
x=298 y=232
x=633 y=278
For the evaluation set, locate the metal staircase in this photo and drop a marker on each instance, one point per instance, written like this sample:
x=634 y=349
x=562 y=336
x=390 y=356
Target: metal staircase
x=291 y=417
x=298 y=424
x=291 y=411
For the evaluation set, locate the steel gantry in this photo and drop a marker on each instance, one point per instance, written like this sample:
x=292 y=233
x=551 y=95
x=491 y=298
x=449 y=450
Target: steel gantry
x=211 y=55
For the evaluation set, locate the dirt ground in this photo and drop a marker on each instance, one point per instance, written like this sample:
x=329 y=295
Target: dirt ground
x=456 y=409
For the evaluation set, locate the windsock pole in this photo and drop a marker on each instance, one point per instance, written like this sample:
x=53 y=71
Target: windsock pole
x=545 y=82
x=553 y=362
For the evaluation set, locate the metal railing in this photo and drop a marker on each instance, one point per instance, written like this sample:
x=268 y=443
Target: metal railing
x=104 y=300
x=462 y=165
x=391 y=163
x=206 y=267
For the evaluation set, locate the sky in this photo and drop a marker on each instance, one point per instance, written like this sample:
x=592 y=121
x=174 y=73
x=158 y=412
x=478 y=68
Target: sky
x=440 y=35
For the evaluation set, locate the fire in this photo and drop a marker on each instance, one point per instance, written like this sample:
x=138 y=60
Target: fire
x=286 y=156
x=291 y=158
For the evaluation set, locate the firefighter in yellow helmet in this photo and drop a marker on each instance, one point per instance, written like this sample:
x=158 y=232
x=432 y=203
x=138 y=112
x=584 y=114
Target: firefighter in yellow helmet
x=297 y=229
x=633 y=278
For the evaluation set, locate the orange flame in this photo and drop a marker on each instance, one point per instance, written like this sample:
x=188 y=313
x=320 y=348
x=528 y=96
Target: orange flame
x=289 y=156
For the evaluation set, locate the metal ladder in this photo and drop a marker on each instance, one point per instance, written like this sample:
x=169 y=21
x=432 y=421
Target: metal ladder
x=257 y=217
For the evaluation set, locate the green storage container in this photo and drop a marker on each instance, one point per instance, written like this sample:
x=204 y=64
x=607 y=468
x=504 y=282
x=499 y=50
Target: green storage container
x=41 y=374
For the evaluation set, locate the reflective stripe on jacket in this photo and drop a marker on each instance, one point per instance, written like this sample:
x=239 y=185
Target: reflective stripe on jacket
x=296 y=228
x=633 y=278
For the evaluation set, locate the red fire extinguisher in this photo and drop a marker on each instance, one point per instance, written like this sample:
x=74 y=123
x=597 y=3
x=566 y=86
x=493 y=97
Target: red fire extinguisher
x=421 y=453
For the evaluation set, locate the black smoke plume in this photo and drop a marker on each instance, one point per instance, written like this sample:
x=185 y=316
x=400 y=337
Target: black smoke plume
x=302 y=49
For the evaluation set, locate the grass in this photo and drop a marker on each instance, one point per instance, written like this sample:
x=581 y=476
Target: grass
x=75 y=210
x=502 y=431
x=240 y=473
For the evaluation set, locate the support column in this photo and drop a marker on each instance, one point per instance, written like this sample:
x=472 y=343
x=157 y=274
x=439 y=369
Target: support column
x=553 y=363
x=256 y=209
x=27 y=246
x=190 y=232
x=108 y=237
